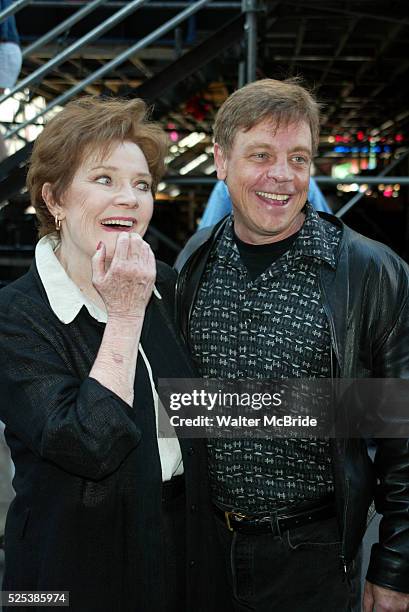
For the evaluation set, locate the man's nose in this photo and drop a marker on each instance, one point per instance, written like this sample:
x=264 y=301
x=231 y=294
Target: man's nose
x=280 y=171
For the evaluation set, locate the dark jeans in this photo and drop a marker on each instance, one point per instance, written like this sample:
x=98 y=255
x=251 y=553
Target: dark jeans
x=299 y=571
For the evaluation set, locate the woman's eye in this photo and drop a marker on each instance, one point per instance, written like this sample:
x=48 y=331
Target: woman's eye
x=103 y=180
x=143 y=186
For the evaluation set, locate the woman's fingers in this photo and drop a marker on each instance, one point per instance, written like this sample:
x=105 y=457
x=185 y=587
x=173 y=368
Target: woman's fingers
x=126 y=286
x=98 y=263
x=135 y=246
x=122 y=247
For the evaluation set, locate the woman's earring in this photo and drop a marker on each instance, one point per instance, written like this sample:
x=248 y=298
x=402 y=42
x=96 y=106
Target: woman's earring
x=57 y=223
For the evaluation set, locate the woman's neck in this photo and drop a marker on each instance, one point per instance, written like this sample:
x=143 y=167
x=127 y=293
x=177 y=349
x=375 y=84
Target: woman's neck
x=81 y=275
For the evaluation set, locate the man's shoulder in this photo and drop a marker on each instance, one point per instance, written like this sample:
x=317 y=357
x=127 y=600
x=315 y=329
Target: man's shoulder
x=368 y=252
x=198 y=240
x=362 y=250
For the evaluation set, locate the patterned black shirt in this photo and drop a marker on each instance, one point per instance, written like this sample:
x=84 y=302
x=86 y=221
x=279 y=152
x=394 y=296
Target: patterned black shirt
x=272 y=327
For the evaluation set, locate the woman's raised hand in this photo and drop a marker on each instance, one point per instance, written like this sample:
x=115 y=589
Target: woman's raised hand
x=126 y=286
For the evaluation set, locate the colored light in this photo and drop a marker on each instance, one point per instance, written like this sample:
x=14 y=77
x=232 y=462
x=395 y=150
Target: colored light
x=174 y=136
x=360 y=135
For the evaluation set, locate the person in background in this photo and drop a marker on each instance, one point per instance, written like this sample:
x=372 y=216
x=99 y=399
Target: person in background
x=104 y=508
x=277 y=291
x=219 y=203
x=10 y=59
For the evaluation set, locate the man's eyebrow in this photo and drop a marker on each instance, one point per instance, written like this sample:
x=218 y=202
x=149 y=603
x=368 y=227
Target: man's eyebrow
x=103 y=167
x=266 y=145
x=255 y=144
x=304 y=149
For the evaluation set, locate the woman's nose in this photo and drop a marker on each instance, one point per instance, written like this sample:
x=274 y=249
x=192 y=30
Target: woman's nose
x=127 y=196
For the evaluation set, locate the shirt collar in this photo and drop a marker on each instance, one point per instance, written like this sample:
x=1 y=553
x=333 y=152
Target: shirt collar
x=226 y=248
x=317 y=238
x=66 y=299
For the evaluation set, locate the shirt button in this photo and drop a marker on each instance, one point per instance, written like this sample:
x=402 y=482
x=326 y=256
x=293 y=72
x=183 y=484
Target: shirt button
x=191 y=451
x=193 y=508
x=192 y=563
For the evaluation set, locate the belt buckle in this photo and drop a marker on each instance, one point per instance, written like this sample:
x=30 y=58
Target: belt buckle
x=228 y=514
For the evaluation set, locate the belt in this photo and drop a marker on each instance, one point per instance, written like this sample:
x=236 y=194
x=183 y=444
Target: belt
x=275 y=524
x=171 y=489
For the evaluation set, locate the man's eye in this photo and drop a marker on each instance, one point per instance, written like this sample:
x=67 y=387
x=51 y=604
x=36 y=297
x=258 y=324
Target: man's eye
x=103 y=180
x=300 y=159
x=260 y=155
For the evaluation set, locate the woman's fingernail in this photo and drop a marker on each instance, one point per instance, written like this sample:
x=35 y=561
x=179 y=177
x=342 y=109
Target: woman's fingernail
x=99 y=245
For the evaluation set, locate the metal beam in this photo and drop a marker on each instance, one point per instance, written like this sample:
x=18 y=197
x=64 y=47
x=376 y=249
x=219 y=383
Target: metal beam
x=108 y=51
x=299 y=43
x=340 y=47
x=341 y=11
x=321 y=58
x=150 y=90
x=363 y=180
x=359 y=196
x=81 y=42
x=13 y=8
x=191 y=61
x=250 y=8
x=62 y=27
x=147 y=40
x=151 y=5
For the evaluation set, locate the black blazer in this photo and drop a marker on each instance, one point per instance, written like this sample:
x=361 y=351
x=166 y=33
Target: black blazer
x=86 y=514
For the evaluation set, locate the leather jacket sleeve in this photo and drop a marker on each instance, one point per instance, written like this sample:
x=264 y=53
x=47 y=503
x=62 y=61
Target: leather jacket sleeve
x=389 y=564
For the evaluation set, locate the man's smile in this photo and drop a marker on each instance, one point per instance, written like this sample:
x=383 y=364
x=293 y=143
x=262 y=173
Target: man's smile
x=273 y=199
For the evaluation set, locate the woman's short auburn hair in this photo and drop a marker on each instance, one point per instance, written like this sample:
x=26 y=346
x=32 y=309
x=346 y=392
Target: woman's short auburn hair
x=90 y=126
x=282 y=102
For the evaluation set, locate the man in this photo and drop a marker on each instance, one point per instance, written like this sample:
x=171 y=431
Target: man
x=278 y=291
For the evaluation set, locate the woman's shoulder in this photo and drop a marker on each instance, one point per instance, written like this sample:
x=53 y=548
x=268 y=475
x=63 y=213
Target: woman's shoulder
x=24 y=294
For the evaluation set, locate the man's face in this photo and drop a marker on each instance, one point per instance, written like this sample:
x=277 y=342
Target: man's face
x=267 y=172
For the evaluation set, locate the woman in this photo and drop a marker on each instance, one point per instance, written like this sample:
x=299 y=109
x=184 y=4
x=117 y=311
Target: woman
x=85 y=335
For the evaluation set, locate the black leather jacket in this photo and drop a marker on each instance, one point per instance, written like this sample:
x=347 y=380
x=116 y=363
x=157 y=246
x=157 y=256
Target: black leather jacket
x=366 y=300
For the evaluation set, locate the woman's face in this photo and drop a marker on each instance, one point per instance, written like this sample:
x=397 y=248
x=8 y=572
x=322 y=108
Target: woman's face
x=106 y=196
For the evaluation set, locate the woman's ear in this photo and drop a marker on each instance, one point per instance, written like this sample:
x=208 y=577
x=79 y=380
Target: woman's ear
x=55 y=209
